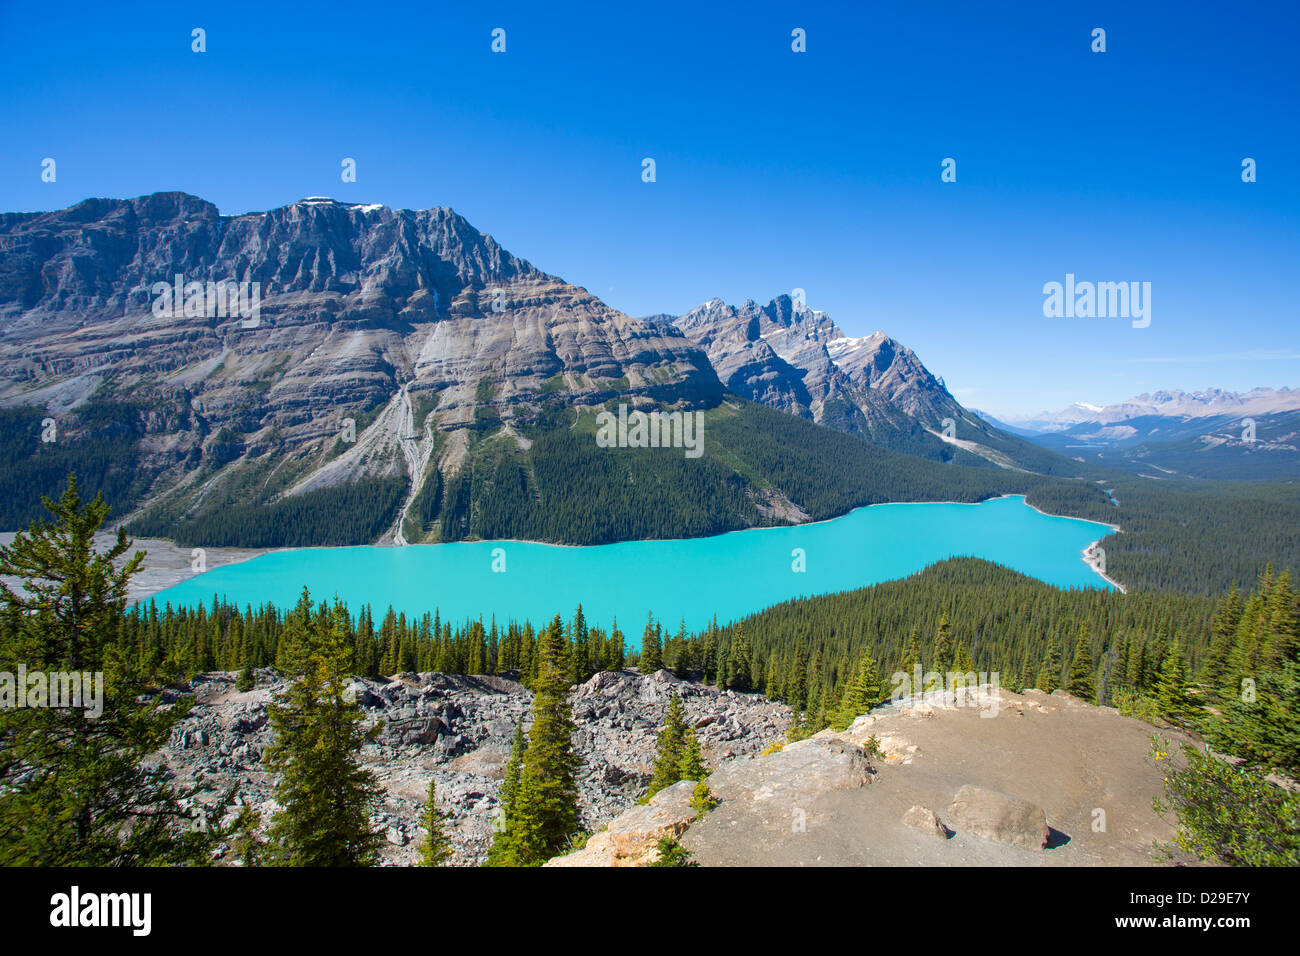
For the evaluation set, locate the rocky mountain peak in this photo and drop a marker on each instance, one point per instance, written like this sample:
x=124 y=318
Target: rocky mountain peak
x=796 y=358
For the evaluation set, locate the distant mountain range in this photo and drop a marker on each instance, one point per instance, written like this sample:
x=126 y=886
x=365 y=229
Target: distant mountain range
x=1212 y=402
x=1211 y=434
x=402 y=371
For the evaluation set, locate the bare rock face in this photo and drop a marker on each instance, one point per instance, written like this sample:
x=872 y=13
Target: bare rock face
x=796 y=359
x=632 y=838
x=991 y=815
x=775 y=790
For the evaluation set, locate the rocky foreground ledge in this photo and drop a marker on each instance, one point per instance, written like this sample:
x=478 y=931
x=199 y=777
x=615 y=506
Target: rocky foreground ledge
x=458 y=730
x=1047 y=781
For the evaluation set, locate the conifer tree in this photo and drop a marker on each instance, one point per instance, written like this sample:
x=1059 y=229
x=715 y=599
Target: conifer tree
x=651 y=648
x=668 y=750
x=1283 y=622
x=1222 y=632
x=74 y=790
x=1171 y=688
x=578 y=653
x=326 y=796
x=709 y=655
x=1022 y=674
x=1080 y=682
x=1049 y=675
x=692 y=762
x=546 y=805
x=943 y=652
x=772 y=680
x=616 y=656
x=961 y=660
x=436 y=848
x=738 y=662
x=911 y=659
x=863 y=692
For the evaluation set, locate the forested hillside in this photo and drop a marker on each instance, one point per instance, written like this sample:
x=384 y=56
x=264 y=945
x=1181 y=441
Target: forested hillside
x=1200 y=537
x=98 y=442
x=548 y=481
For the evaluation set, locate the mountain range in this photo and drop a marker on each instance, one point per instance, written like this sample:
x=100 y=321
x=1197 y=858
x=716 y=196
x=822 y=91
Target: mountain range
x=1212 y=433
x=405 y=378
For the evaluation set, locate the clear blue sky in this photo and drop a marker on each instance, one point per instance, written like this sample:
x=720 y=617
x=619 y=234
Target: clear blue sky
x=776 y=170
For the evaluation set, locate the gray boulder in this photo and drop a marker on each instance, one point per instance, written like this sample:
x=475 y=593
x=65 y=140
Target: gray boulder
x=991 y=815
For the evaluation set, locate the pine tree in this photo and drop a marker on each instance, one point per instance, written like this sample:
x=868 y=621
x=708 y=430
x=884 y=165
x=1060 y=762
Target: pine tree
x=578 y=652
x=942 y=657
x=546 y=805
x=1171 y=688
x=691 y=766
x=668 y=750
x=73 y=788
x=709 y=656
x=1049 y=675
x=1260 y=723
x=738 y=663
x=863 y=692
x=436 y=848
x=325 y=794
x=962 y=662
x=615 y=657
x=1222 y=632
x=1282 y=618
x=651 y=648
x=772 y=680
x=1080 y=682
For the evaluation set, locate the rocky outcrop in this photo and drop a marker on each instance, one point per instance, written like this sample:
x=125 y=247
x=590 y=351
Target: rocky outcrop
x=458 y=729
x=772 y=792
x=773 y=786
x=632 y=838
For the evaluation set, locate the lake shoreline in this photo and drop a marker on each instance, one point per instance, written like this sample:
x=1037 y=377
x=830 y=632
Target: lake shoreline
x=519 y=580
x=168 y=564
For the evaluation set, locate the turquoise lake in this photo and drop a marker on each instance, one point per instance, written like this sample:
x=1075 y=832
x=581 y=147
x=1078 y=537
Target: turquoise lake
x=729 y=575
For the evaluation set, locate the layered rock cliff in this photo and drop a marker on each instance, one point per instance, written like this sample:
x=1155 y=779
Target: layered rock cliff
x=386 y=330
